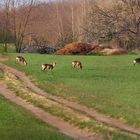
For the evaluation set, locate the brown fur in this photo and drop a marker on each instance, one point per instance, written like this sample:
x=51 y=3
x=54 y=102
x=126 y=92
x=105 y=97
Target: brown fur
x=77 y=64
x=48 y=66
x=136 y=61
x=21 y=60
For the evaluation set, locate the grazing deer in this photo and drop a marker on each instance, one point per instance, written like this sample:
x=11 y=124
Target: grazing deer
x=136 y=61
x=48 y=66
x=21 y=60
x=77 y=64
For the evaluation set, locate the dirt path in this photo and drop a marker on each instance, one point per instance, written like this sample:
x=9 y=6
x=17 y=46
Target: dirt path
x=90 y=112
x=3 y=58
x=62 y=126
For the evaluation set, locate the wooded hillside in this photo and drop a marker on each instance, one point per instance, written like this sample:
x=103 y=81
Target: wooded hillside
x=57 y=23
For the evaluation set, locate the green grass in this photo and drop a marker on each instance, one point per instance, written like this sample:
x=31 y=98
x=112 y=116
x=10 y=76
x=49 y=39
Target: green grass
x=18 y=124
x=10 y=48
x=1 y=74
x=73 y=117
x=111 y=85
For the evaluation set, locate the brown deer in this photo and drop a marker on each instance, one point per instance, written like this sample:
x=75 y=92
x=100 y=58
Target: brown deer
x=77 y=64
x=136 y=61
x=21 y=60
x=48 y=66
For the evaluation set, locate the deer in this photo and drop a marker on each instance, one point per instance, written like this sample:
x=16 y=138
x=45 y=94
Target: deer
x=136 y=61
x=21 y=60
x=77 y=64
x=48 y=66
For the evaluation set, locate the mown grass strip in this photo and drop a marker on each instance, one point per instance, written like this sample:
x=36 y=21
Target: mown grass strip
x=108 y=84
x=73 y=117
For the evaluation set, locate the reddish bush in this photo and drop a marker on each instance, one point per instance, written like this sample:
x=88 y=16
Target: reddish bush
x=97 y=49
x=76 y=48
x=85 y=48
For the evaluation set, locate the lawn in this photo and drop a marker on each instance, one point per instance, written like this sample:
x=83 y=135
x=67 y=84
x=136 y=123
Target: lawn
x=109 y=84
x=19 y=124
x=10 y=48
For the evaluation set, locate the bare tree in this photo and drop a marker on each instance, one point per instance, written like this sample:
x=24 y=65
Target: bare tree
x=121 y=20
x=59 y=18
x=20 y=19
x=7 y=21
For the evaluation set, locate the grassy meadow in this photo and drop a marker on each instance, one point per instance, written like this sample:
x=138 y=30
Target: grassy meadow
x=109 y=84
x=10 y=48
x=19 y=124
